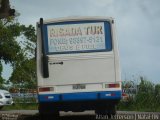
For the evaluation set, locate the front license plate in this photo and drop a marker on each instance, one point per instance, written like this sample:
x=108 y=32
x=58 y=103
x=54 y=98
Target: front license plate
x=79 y=86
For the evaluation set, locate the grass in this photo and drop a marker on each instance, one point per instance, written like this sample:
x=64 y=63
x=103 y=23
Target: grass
x=131 y=106
x=22 y=106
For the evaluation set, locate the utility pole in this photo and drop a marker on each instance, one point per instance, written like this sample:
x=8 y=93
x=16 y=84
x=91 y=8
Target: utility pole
x=5 y=10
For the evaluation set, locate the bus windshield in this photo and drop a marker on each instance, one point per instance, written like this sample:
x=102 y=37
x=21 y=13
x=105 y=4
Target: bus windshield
x=77 y=37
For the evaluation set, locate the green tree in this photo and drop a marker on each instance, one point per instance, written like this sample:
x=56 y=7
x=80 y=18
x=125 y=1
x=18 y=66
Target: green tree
x=1 y=79
x=145 y=96
x=10 y=48
x=24 y=75
x=17 y=45
x=24 y=71
x=157 y=91
x=157 y=96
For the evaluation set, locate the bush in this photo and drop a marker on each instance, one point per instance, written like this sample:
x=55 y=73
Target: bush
x=146 y=99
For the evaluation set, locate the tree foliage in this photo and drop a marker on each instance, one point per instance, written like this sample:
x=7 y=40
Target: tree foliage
x=10 y=49
x=146 y=98
x=1 y=79
x=24 y=75
x=17 y=44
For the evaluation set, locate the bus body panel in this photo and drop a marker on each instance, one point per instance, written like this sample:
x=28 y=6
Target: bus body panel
x=80 y=71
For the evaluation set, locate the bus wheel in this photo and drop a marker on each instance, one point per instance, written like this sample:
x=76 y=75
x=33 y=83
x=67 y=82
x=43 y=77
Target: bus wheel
x=111 y=111
x=100 y=112
x=49 y=116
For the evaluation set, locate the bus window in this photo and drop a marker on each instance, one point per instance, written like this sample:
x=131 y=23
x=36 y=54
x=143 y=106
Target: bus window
x=78 y=37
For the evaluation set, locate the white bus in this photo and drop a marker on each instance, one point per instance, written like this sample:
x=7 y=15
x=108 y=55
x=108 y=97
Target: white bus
x=77 y=65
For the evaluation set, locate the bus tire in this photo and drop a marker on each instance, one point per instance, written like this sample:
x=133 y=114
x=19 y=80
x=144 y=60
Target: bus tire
x=110 y=111
x=46 y=113
x=100 y=112
x=49 y=116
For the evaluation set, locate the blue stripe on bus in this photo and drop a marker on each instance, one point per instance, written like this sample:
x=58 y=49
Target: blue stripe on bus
x=104 y=95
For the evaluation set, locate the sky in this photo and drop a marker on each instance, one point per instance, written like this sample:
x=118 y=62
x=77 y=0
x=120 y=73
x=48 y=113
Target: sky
x=137 y=28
